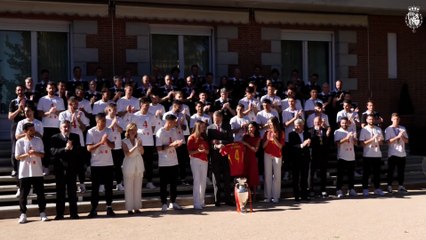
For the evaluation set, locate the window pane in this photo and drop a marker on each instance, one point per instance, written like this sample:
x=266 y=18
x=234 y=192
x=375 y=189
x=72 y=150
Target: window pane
x=52 y=51
x=15 y=64
x=318 y=56
x=291 y=58
x=196 y=51
x=165 y=52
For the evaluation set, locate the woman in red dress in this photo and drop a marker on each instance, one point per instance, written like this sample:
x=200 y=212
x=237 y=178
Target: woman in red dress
x=251 y=141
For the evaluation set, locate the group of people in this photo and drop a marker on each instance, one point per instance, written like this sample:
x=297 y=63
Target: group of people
x=121 y=128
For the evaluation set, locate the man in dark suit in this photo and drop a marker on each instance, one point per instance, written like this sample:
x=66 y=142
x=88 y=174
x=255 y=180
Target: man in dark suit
x=300 y=141
x=219 y=134
x=65 y=151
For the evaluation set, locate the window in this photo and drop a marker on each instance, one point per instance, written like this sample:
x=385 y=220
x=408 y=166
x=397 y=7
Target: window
x=309 y=53
x=28 y=47
x=181 y=47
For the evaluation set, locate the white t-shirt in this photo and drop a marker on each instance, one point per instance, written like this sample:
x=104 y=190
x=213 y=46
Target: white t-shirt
x=345 y=150
x=102 y=155
x=284 y=104
x=180 y=117
x=122 y=104
x=236 y=123
x=310 y=104
x=67 y=115
x=372 y=149
x=352 y=116
x=396 y=148
x=262 y=118
x=145 y=124
x=275 y=100
x=167 y=157
x=186 y=112
x=194 y=118
x=288 y=114
x=44 y=105
x=116 y=135
x=31 y=166
x=158 y=120
x=85 y=104
x=99 y=106
x=246 y=102
x=310 y=120
x=38 y=126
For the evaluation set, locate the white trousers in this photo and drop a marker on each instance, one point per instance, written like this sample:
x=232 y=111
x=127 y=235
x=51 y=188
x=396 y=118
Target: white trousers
x=272 y=176
x=199 y=175
x=132 y=179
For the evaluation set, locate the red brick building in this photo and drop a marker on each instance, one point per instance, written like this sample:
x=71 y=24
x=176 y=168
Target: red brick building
x=364 y=43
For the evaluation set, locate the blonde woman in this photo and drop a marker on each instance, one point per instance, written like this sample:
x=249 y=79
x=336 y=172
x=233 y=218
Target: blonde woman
x=198 y=149
x=133 y=169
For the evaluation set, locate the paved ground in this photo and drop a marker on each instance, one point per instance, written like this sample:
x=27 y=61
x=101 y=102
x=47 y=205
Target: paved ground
x=394 y=217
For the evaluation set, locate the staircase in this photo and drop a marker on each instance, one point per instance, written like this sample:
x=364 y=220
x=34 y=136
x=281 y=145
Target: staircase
x=9 y=208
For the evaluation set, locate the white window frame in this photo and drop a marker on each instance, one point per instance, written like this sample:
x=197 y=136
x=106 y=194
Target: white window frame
x=34 y=26
x=304 y=37
x=182 y=31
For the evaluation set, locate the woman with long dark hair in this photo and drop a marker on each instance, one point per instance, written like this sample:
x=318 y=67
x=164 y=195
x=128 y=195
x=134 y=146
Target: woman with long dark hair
x=251 y=141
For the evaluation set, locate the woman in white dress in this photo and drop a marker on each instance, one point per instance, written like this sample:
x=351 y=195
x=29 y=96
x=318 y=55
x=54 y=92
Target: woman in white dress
x=133 y=169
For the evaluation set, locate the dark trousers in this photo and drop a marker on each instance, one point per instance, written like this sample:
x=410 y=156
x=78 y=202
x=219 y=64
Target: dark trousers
x=399 y=164
x=13 y=161
x=287 y=160
x=47 y=139
x=117 y=157
x=221 y=175
x=371 y=165
x=183 y=159
x=65 y=180
x=37 y=183
x=168 y=175
x=300 y=176
x=319 y=163
x=260 y=154
x=82 y=165
x=345 y=168
x=102 y=175
x=149 y=156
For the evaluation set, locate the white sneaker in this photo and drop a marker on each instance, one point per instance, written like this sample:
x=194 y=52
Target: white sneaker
x=402 y=189
x=18 y=193
x=45 y=171
x=164 y=208
x=339 y=193
x=379 y=192
x=119 y=187
x=22 y=218
x=353 y=193
x=81 y=188
x=150 y=185
x=175 y=206
x=365 y=192
x=31 y=192
x=102 y=188
x=43 y=217
x=390 y=190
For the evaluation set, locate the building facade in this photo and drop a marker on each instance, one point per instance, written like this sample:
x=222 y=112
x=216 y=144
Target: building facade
x=366 y=44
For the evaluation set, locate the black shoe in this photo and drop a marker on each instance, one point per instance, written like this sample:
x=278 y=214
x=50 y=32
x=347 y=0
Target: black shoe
x=110 y=212
x=306 y=198
x=59 y=217
x=297 y=199
x=184 y=183
x=130 y=212
x=217 y=204
x=230 y=203
x=92 y=214
x=137 y=211
x=74 y=216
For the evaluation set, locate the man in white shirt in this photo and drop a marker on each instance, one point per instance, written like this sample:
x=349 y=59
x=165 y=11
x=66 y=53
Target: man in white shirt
x=127 y=105
x=167 y=142
x=100 y=105
x=349 y=113
x=263 y=116
x=156 y=109
x=345 y=141
x=251 y=104
x=145 y=122
x=239 y=123
x=28 y=151
x=371 y=137
x=99 y=142
x=38 y=125
x=49 y=108
x=291 y=93
x=199 y=115
x=310 y=103
x=272 y=96
x=396 y=136
x=318 y=113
